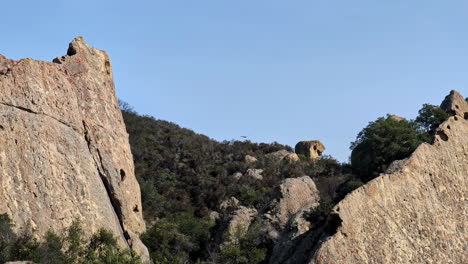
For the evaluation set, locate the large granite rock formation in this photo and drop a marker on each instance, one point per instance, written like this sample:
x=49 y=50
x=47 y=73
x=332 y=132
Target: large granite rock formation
x=64 y=150
x=418 y=213
x=312 y=149
x=292 y=195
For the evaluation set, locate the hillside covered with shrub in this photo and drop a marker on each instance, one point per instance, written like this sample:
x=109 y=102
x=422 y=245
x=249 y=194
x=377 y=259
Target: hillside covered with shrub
x=185 y=176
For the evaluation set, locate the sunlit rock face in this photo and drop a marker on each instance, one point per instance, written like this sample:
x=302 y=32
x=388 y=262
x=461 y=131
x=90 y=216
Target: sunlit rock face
x=64 y=150
x=312 y=149
x=418 y=213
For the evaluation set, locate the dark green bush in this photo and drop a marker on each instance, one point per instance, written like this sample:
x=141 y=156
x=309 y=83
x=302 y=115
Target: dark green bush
x=382 y=142
x=430 y=117
x=248 y=248
x=177 y=238
x=7 y=238
x=388 y=139
x=71 y=248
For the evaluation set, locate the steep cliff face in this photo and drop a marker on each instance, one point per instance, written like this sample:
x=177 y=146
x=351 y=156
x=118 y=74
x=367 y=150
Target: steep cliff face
x=418 y=213
x=64 y=151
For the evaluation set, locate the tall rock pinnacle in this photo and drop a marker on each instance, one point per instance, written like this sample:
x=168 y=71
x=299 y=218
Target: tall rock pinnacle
x=64 y=150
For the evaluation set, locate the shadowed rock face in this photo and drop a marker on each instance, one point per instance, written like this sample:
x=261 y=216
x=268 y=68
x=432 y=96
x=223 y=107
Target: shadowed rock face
x=416 y=214
x=64 y=150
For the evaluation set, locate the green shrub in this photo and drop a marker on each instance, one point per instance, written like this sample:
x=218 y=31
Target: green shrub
x=248 y=248
x=382 y=142
x=71 y=248
x=430 y=117
x=177 y=238
x=7 y=237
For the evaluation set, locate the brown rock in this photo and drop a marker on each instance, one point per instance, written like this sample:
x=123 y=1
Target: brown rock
x=417 y=214
x=64 y=151
x=311 y=149
x=397 y=118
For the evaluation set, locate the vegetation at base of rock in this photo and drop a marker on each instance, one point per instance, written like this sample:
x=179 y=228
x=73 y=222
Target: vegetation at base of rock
x=382 y=142
x=177 y=238
x=248 y=248
x=71 y=247
x=388 y=139
x=430 y=117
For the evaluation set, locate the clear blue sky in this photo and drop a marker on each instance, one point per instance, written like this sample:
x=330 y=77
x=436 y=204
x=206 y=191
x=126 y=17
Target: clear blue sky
x=271 y=70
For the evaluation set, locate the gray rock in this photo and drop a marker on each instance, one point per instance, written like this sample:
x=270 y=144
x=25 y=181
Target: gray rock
x=255 y=173
x=250 y=159
x=285 y=155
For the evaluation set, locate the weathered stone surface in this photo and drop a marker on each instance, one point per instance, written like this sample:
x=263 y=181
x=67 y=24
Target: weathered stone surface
x=254 y=173
x=455 y=103
x=250 y=159
x=297 y=226
x=293 y=194
x=417 y=214
x=312 y=149
x=64 y=151
x=240 y=220
x=284 y=155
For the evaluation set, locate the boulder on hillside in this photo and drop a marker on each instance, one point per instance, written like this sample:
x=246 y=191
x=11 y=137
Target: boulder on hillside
x=250 y=159
x=229 y=204
x=292 y=195
x=254 y=173
x=237 y=176
x=312 y=149
x=285 y=155
x=240 y=221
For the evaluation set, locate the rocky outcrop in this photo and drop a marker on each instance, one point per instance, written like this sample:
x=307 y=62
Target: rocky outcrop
x=284 y=155
x=396 y=118
x=64 y=150
x=418 y=213
x=254 y=173
x=229 y=204
x=250 y=159
x=292 y=195
x=240 y=221
x=312 y=149
x=287 y=219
